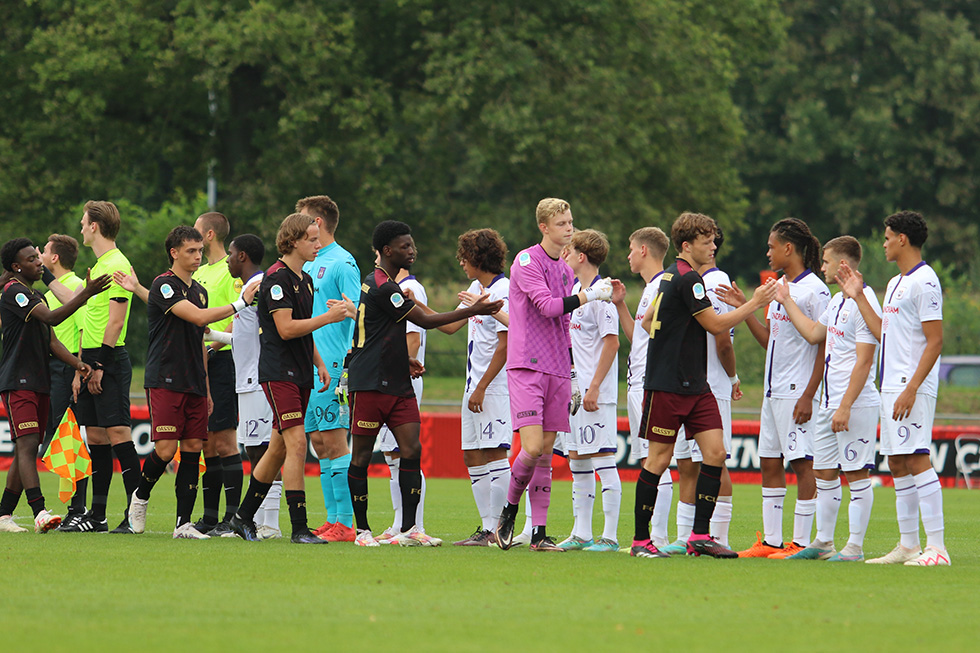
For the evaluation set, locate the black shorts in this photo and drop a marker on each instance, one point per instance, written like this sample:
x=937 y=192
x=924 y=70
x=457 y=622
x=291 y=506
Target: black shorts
x=111 y=406
x=62 y=374
x=221 y=380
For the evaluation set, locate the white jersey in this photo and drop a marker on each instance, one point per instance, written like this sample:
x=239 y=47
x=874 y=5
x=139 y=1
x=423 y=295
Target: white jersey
x=846 y=328
x=910 y=300
x=721 y=387
x=789 y=357
x=245 y=344
x=482 y=336
x=411 y=283
x=636 y=364
x=589 y=325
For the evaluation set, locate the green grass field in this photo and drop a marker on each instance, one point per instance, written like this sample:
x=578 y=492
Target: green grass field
x=78 y=592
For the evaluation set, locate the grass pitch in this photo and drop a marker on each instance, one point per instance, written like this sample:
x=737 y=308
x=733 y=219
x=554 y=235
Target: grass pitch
x=82 y=592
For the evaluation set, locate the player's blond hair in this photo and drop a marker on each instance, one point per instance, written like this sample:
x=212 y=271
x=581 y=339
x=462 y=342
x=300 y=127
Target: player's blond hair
x=593 y=244
x=550 y=207
x=689 y=226
x=846 y=247
x=654 y=238
x=293 y=228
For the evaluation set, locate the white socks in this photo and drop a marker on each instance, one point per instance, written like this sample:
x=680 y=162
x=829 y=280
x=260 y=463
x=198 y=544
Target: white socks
x=829 y=496
x=685 y=520
x=268 y=513
x=803 y=521
x=480 y=484
x=583 y=496
x=661 y=510
x=859 y=511
x=931 y=506
x=772 y=515
x=394 y=465
x=721 y=519
x=907 y=510
x=612 y=495
x=499 y=482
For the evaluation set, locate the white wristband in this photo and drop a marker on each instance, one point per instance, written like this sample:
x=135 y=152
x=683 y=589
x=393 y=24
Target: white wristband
x=733 y=379
x=238 y=304
x=218 y=336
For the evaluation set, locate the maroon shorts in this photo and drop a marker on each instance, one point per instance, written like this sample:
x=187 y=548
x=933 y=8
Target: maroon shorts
x=177 y=415
x=369 y=410
x=27 y=412
x=288 y=402
x=665 y=412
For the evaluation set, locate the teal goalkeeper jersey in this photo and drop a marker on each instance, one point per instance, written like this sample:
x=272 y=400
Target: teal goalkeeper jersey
x=334 y=272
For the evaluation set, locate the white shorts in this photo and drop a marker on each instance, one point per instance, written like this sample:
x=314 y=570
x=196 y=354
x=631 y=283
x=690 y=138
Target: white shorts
x=912 y=434
x=684 y=448
x=489 y=429
x=639 y=447
x=779 y=435
x=591 y=433
x=254 y=419
x=386 y=439
x=850 y=450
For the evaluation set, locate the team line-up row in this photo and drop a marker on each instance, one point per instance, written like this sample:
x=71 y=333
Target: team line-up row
x=535 y=342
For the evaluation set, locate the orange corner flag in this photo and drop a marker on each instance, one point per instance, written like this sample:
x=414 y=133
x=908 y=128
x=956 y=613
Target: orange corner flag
x=67 y=456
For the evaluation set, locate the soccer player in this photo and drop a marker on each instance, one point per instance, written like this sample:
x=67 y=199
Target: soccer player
x=222 y=458
x=415 y=337
x=286 y=324
x=335 y=275
x=25 y=376
x=542 y=388
x=380 y=379
x=176 y=378
x=591 y=443
x=794 y=369
x=911 y=336
x=724 y=383
x=103 y=402
x=676 y=389
x=648 y=246
x=485 y=432
x=846 y=423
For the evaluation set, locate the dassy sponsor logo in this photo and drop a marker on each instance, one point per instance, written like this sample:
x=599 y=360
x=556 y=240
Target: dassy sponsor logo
x=288 y=416
x=27 y=425
x=166 y=429
x=368 y=425
x=662 y=431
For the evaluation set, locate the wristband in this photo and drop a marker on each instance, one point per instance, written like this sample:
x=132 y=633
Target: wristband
x=238 y=305
x=210 y=351
x=47 y=276
x=219 y=336
x=733 y=379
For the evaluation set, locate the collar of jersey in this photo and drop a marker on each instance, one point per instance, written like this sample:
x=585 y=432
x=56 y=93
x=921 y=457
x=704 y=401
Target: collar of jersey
x=917 y=266
x=802 y=274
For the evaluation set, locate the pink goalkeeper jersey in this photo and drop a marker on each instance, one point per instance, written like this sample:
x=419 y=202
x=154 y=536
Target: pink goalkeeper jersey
x=538 y=334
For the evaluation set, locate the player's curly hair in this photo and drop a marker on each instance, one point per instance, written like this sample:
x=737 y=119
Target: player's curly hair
x=387 y=231
x=593 y=244
x=321 y=206
x=689 y=226
x=484 y=249
x=798 y=234
x=293 y=228
x=180 y=235
x=910 y=223
x=10 y=250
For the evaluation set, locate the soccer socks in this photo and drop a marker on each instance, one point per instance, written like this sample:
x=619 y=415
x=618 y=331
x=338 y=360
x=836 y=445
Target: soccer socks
x=907 y=511
x=341 y=490
x=101 y=455
x=35 y=499
x=499 y=482
x=254 y=497
x=9 y=502
x=326 y=486
x=270 y=505
x=232 y=476
x=480 y=486
x=772 y=515
x=540 y=492
x=829 y=496
x=78 y=500
x=685 y=520
x=528 y=516
x=129 y=464
x=721 y=520
x=153 y=468
x=296 y=501
x=520 y=476
x=210 y=488
x=185 y=485
x=859 y=511
x=612 y=495
x=420 y=510
x=708 y=485
x=646 y=499
x=930 y=493
x=395 y=488
x=661 y=510
x=410 y=485
x=803 y=520
x=583 y=496
x=357 y=481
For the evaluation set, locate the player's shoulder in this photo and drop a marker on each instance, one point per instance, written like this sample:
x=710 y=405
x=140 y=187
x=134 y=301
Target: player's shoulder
x=499 y=287
x=112 y=260
x=716 y=277
x=527 y=257
x=925 y=276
